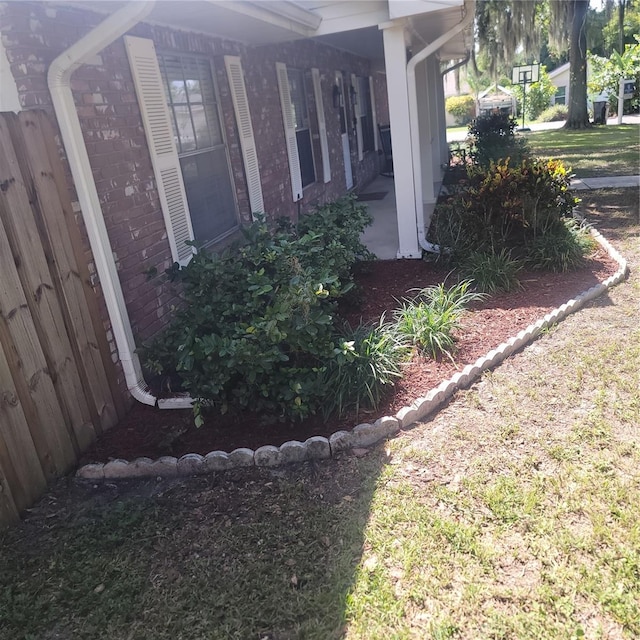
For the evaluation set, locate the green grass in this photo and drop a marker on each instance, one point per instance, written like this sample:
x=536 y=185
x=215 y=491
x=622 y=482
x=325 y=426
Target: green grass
x=611 y=150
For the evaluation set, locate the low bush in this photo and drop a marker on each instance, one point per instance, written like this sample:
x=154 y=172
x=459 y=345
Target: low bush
x=492 y=138
x=561 y=248
x=257 y=327
x=504 y=206
x=368 y=361
x=429 y=319
x=556 y=113
x=462 y=108
x=492 y=272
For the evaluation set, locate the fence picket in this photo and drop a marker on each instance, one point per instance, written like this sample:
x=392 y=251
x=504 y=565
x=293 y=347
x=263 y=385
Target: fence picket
x=64 y=235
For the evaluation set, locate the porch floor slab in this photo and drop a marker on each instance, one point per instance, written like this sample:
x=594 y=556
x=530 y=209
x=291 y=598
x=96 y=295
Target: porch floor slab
x=381 y=237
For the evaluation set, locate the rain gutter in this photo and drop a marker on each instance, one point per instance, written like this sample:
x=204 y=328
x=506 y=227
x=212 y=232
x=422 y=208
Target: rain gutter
x=59 y=81
x=423 y=54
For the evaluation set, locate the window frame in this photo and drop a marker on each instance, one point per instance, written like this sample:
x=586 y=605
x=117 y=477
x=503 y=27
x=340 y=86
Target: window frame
x=161 y=54
x=305 y=130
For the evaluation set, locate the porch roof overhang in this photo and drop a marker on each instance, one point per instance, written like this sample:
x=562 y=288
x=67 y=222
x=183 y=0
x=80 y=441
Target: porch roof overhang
x=349 y=25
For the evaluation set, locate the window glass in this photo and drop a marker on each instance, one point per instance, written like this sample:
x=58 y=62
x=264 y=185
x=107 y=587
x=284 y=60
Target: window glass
x=303 y=133
x=193 y=107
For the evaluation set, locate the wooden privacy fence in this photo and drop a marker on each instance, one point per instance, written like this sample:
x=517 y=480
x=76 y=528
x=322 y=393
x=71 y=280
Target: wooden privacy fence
x=57 y=384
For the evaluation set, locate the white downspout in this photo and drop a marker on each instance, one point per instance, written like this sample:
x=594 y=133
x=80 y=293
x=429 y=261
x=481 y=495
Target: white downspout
x=59 y=81
x=431 y=48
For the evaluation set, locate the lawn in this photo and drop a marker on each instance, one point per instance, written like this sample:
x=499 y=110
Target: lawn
x=514 y=513
x=612 y=150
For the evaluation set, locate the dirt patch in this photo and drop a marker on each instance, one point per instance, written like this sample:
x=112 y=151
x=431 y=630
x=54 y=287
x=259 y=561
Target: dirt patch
x=151 y=432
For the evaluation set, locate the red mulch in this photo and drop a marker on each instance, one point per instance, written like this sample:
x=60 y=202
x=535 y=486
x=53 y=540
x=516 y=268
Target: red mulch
x=151 y=432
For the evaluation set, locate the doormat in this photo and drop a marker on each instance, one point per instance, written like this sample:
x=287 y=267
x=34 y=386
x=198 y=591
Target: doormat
x=376 y=195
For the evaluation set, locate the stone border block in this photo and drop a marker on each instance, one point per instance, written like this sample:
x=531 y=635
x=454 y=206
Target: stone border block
x=340 y=441
x=460 y=379
x=473 y=372
x=94 y=471
x=406 y=416
x=293 y=451
x=318 y=448
x=447 y=388
x=217 y=461
x=267 y=456
x=115 y=469
x=387 y=424
x=424 y=407
x=242 y=457
x=141 y=468
x=364 y=435
x=166 y=466
x=190 y=464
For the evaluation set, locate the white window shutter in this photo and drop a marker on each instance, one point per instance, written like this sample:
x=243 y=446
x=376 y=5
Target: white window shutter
x=162 y=146
x=358 y=114
x=374 y=115
x=245 y=129
x=289 y=131
x=322 y=125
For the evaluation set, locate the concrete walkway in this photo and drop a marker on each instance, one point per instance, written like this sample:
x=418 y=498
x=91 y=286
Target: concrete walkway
x=611 y=182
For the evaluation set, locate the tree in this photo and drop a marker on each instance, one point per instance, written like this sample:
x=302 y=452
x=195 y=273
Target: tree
x=607 y=72
x=505 y=26
x=569 y=22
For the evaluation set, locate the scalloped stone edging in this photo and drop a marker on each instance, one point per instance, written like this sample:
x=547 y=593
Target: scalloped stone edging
x=363 y=435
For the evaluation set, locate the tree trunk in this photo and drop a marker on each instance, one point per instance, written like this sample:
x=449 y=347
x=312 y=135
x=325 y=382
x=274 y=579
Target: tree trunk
x=578 y=118
x=621 y=8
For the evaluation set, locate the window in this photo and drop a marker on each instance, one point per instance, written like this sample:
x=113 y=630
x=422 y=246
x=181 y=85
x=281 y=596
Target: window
x=195 y=119
x=560 y=96
x=366 y=114
x=301 y=119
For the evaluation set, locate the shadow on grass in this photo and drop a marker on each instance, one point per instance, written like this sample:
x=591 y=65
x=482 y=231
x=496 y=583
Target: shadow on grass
x=254 y=553
x=614 y=212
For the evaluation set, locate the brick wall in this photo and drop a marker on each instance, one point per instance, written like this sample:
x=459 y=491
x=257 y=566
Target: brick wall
x=35 y=33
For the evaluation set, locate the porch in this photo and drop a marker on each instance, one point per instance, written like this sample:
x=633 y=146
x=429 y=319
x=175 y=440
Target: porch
x=381 y=237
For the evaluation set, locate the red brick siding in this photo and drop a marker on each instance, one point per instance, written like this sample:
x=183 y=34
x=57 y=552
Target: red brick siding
x=34 y=34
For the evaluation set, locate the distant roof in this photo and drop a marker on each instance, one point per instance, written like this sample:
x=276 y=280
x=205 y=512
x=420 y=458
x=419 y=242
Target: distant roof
x=558 y=70
x=495 y=88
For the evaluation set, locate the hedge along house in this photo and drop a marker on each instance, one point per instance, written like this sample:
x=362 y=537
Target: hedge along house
x=181 y=120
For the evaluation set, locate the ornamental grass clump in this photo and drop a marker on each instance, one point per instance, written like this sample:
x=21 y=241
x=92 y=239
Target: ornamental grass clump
x=561 y=248
x=257 y=327
x=368 y=363
x=429 y=319
x=491 y=271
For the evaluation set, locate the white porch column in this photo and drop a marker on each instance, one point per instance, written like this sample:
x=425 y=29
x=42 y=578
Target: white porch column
x=395 y=56
x=434 y=79
x=424 y=91
x=442 y=120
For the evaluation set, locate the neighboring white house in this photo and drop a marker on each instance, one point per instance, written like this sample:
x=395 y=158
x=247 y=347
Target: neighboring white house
x=560 y=79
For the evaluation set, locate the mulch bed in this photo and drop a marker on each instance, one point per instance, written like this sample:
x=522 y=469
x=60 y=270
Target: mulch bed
x=151 y=432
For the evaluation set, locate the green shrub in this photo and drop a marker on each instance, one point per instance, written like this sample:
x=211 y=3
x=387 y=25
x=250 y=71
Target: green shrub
x=492 y=138
x=429 y=319
x=556 y=113
x=492 y=271
x=367 y=364
x=504 y=207
x=461 y=108
x=561 y=248
x=257 y=325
